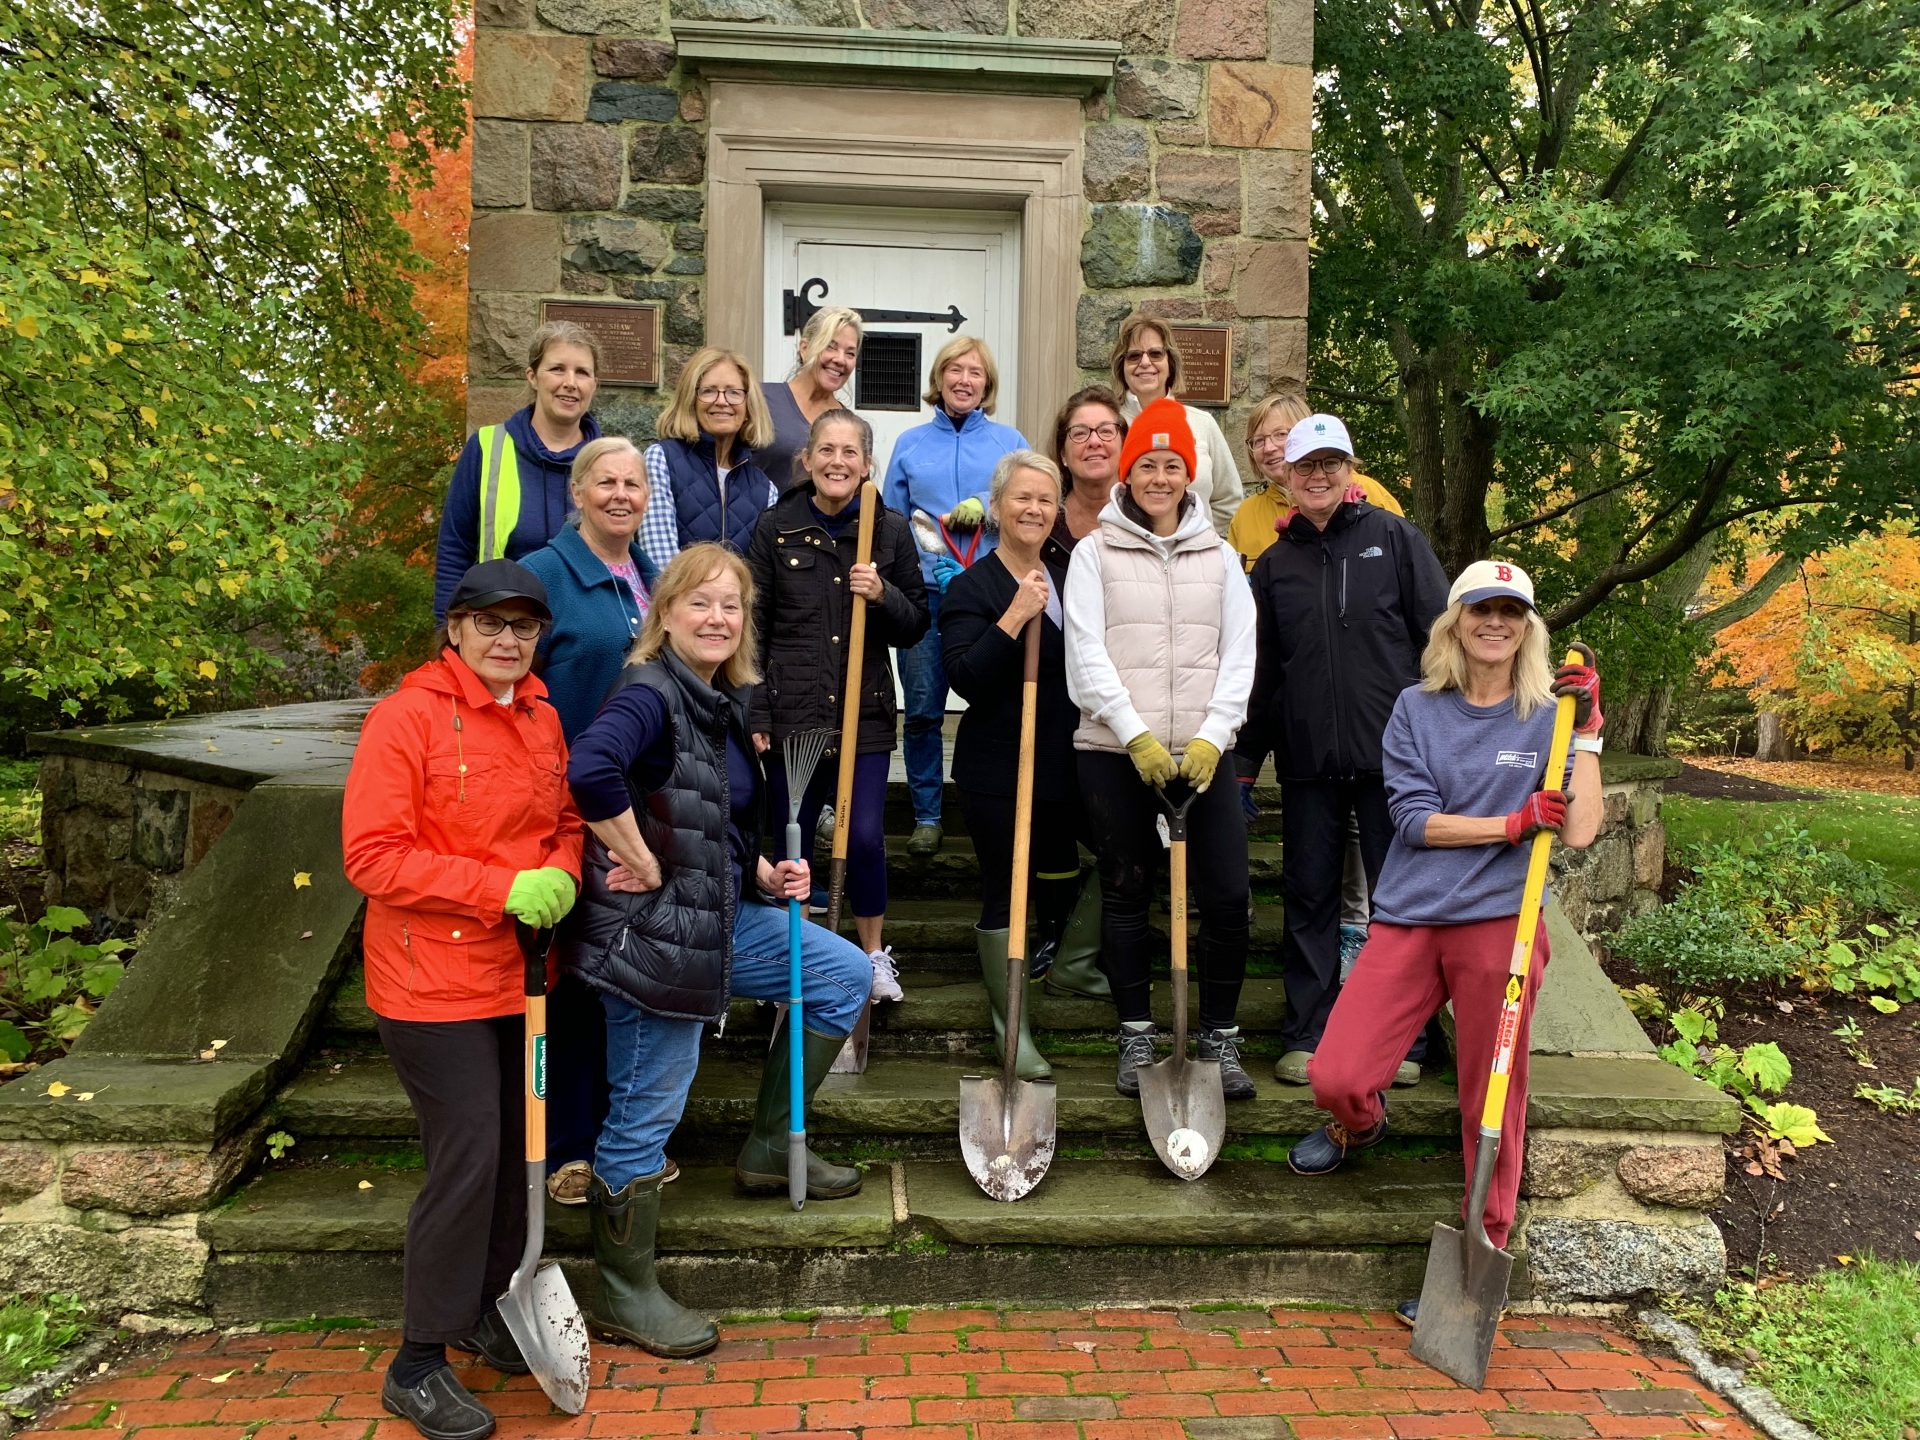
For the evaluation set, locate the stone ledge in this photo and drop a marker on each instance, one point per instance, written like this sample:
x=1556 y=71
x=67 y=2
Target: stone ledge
x=134 y=1099
x=1014 y=63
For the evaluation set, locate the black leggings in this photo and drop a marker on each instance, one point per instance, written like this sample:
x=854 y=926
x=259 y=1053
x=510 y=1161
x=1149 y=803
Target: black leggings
x=1120 y=813
x=1054 y=856
x=469 y=1222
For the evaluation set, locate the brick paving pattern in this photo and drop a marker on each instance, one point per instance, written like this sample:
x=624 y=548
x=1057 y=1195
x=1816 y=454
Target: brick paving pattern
x=946 y=1375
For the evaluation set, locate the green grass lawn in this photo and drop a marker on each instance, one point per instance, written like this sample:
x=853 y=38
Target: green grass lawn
x=1837 y=1350
x=1884 y=829
x=34 y=1330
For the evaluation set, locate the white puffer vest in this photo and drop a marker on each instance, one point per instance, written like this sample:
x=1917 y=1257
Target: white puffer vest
x=1163 y=629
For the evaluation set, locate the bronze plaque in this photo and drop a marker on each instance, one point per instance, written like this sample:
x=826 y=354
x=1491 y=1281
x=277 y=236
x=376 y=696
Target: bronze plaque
x=1206 y=363
x=629 y=336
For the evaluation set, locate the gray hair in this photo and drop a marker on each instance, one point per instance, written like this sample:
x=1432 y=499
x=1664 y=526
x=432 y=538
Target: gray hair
x=1017 y=460
x=594 y=451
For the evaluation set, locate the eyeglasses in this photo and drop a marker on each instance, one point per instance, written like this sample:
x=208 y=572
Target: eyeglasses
x=1329 y=465
x=1134 y=357
x=490 y=624
x=732 y=394
x=1080 y=434
x=1267 y=441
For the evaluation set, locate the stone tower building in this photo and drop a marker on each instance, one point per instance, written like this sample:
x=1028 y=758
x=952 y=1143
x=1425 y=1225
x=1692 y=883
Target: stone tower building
x=700 y=171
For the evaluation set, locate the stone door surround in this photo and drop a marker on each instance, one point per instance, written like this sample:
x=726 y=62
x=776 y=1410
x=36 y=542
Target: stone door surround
x=850 y=144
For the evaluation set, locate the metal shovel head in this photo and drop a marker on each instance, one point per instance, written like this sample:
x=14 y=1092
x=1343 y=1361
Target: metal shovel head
x=547 y=1325
x=1007 y=1139
x=1186 y=1113
x=1460 y=1304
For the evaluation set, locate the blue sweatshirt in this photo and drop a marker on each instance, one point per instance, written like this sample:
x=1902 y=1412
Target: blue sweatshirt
x=937 y=465
x=1444 y=756
x=545 y=503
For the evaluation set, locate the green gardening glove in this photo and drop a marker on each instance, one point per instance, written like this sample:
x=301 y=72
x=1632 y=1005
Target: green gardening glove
x=1151 y=759
x=969 y=514
x=1198 y=763
x=541 y=897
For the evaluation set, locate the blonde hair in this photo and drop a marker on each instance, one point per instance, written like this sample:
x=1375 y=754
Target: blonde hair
x=1014 y=461
x=682 y=420
x=689 y=570
x=824 y=325
x=1443 y=664
x=561 y=332
x=1130 y=329
x=1292 y=408
x=951 y=351
x=593 y=452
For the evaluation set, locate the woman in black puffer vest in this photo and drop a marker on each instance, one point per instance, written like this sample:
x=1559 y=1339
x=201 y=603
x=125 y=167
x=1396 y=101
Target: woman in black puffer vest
x=668 y=927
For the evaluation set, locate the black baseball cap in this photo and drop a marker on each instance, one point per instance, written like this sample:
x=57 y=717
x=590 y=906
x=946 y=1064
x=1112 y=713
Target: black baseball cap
x=492 y=581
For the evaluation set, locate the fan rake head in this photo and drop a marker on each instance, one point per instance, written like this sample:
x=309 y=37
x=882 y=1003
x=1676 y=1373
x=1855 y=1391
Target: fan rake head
x=800 y=754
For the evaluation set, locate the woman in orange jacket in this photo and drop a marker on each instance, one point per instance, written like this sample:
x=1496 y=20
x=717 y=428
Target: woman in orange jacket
x=457 y=823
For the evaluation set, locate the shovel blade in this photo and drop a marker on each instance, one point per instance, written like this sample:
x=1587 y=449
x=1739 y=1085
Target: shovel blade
x=1007 y=1139
x=546 y=1324
x=1185 y=1111
x=1460 y=1304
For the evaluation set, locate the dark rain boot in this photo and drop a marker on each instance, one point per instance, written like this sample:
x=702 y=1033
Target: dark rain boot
x=761 y=1168
x=631 y=1303
x=1076 y=969
x=1029 y=1063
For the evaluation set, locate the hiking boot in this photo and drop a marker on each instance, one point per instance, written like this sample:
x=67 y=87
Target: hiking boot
x=761 y=1168
x=1291 y=1068
x=1224 y=1046
x=493 y=1342
x=1322 y=1152
x=628 y=1300
x=439 y=1407
x=1135 y=1039
x=925 y=839
x=1353 y=939
x=886 y=975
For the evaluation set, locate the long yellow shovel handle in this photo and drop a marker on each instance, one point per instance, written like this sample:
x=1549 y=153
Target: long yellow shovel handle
x=1553 y=777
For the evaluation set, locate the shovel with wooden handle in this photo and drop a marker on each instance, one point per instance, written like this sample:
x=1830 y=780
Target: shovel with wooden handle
x=1467 y=1274
x=1007 y=1125
x=852 y=1059
x=541 y=1313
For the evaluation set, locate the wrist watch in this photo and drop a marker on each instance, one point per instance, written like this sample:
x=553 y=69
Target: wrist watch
x=1592 y=744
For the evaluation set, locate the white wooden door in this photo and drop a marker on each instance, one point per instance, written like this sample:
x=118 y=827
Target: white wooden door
x=960 y=265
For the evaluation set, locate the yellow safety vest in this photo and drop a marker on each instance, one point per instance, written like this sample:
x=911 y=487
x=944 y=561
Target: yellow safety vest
x=499 y=491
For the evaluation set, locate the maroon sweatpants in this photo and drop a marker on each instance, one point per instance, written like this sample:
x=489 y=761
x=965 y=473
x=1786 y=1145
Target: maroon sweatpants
x=1402 y=978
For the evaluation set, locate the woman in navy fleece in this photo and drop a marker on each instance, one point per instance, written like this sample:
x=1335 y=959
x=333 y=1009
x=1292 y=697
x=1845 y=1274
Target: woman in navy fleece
x=1464 y=753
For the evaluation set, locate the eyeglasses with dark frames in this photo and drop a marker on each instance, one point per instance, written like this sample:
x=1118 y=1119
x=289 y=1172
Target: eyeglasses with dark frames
x=1080 y=434
x=732 y=394
x=1153 y=353
x=1328 y=465
x=490 y=624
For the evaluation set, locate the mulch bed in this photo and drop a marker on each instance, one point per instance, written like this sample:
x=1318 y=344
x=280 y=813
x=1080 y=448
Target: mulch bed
x=1707 y=784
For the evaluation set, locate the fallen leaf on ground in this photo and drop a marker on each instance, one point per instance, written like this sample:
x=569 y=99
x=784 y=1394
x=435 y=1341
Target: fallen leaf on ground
x=366 y=1184
x=58 y=1088
x=302 y=879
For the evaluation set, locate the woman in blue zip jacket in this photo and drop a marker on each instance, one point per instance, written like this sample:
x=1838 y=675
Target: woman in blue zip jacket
x=705 y=483
x=510 y=490
x=943 y=467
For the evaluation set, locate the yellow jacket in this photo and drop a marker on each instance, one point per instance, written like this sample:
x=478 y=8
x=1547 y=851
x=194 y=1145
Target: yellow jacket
x=1253 y=525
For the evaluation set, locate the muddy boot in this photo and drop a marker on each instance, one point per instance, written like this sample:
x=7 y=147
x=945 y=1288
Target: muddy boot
x=1029 y=1063
x=630 y=1302
x=1075 y=970
x=761 y=1168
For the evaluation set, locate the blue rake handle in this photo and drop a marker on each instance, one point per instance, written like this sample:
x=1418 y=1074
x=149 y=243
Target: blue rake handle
x=796 y=1077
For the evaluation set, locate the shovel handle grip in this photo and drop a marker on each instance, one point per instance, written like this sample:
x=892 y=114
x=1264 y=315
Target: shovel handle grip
x=1553 y=776
x=533 y=948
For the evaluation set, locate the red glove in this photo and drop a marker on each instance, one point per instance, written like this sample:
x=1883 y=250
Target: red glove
x=1583 y=683
x=1544 y=810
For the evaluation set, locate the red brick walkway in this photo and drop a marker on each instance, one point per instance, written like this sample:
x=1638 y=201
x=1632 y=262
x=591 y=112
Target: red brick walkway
x=948 y=1375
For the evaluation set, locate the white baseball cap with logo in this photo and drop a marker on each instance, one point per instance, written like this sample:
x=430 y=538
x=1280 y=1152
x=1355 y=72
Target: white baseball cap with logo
x=1318 y=432
x=1492 y=580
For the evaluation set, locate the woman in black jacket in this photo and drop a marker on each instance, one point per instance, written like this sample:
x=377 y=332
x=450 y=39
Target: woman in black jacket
x=1343 y=601
x=983 y=618
x=804 y=575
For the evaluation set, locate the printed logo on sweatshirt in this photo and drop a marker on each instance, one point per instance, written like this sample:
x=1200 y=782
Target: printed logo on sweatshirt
x=1372 y=552
x=1519 y=759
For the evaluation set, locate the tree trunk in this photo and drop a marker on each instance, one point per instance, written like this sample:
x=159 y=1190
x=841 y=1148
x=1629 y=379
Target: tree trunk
x=1774 y=742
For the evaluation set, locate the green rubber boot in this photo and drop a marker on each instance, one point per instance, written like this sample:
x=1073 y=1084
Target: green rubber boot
x=1076 y=970
x=1029 y=1063
x=761 y=1168
x=630 y=1302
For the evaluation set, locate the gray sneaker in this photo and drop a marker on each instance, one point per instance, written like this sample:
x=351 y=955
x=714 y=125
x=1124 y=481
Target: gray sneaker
x=1136 y=1049
x=1224 y=1046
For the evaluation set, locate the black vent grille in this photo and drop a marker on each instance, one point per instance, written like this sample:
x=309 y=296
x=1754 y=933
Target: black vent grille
x=888 y=377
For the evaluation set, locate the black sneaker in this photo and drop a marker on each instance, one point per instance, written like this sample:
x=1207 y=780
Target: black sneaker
x=1224 y=1046
x=1407 y=1312
x=439 y=1407
x=493 y=1342
x=1322 y=1152
x=1136 y=1049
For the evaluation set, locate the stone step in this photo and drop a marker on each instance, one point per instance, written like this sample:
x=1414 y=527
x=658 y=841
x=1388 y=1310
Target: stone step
x=955 y=870
x=356 y=1097
x=325 y=1239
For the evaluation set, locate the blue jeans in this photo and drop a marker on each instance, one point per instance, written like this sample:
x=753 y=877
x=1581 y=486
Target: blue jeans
x=650 y=1061
x=923 y=680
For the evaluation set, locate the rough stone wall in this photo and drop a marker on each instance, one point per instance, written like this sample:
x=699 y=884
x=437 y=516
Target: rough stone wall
x=115 y=836
x=1619 y=875
x=589 y=167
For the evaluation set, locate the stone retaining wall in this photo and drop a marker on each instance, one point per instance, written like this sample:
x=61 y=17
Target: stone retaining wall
x=1619 y=875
